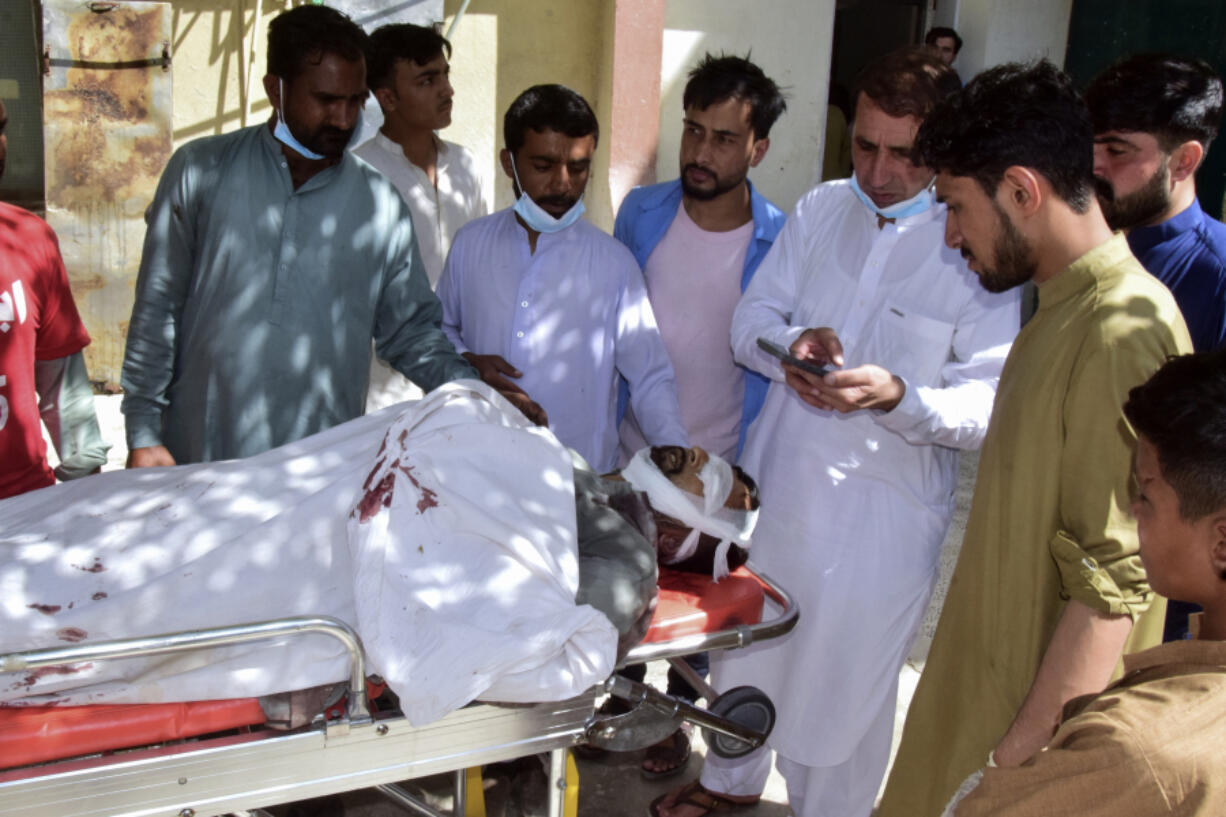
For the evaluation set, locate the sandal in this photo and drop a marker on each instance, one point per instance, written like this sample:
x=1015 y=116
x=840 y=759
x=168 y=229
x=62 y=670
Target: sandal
x=667 y=758
x=695 y=794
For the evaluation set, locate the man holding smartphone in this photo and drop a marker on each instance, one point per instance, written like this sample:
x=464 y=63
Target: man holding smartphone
x=857 y=468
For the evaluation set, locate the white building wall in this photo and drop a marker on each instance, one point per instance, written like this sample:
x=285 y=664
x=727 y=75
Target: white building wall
x=997 y=31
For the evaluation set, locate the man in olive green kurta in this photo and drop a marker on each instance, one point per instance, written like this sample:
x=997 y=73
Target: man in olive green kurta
x=1049 y=535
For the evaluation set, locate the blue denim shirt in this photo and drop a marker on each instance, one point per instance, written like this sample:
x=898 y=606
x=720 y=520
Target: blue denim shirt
x=642 y=221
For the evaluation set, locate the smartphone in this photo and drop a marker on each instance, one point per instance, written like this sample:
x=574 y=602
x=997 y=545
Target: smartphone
x=786 y=356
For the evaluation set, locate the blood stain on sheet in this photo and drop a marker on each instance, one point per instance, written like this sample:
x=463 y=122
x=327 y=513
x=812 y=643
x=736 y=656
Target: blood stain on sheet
x=45 y=609
x=99 y=596
x=61 y=669
x=375 y=498
x=71 y=634
x=96 y=567
x=429 y=499
x=370 y=478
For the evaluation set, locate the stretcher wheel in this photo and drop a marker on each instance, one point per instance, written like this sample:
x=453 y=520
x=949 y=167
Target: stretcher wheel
x=747 y=706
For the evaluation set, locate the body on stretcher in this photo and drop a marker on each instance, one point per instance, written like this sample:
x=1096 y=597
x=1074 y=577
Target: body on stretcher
x=138 y=759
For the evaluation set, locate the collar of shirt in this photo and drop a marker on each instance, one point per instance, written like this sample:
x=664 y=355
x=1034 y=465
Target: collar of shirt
x=320 y=179
x=1142 y=239
x=1083 y=272
x=395 y=149
x=1190 y=651
x=879 y=223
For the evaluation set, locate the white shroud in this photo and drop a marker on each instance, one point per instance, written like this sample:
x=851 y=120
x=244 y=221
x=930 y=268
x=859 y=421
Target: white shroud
x=443 y=530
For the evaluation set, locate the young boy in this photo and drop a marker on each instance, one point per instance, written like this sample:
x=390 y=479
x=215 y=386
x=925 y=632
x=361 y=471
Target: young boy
x=1150 y=743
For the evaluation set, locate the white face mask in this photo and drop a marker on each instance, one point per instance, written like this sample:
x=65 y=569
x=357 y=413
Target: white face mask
x=913 y=206
x=535 y=216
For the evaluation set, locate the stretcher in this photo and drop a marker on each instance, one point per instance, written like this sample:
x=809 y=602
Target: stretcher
x=218 y=757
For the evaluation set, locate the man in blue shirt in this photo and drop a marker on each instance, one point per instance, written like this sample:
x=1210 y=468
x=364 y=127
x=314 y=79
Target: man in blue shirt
x=730 y=106
x=699 y=239
x=1154 y=117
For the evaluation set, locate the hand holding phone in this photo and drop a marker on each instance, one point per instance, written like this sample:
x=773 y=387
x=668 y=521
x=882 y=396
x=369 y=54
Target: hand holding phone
x=785 y=356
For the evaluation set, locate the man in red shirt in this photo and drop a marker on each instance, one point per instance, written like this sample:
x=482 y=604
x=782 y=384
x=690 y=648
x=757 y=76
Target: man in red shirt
x=42 y=372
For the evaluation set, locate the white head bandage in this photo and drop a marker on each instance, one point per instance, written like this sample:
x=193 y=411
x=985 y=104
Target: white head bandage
x=702 y=514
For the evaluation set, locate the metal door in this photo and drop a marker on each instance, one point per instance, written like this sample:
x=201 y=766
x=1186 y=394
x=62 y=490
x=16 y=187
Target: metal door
x=107 y=137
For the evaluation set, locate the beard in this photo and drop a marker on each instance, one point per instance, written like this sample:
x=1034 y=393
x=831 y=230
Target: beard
x=718 y=188
x=1014 y=259
x=330 y=141
x=1141 y=206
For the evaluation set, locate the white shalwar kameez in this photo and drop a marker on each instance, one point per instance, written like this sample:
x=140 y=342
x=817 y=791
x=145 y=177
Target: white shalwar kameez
x=855 y=506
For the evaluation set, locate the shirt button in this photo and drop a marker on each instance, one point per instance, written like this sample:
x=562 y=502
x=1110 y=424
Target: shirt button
x=519 y=334
x=524 y=304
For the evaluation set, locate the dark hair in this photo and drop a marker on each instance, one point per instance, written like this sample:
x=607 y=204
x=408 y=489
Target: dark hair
x=1181 y=410
x=1014 y=114
x=401 y=41
x=716 y=79
x=1177 y=99
x=937 y=32
x=548 y=107
x=910 y=81
x=306 y=33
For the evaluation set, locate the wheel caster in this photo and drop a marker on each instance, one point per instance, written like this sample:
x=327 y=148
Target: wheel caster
x=746 y=706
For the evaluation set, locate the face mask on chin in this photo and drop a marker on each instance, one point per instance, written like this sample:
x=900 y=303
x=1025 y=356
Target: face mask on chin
x=535 y=216
x=283 y=135
x=913 y=206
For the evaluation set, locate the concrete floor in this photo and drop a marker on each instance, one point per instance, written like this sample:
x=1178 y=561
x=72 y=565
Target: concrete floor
x=610 y=786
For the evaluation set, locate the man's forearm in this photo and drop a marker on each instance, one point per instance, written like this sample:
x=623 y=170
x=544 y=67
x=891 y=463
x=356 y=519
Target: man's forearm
x=1082 y=654
x=66 y=404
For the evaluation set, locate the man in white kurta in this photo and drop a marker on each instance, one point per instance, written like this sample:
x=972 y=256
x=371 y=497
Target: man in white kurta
x=856 y=502
x=539 y=295
x=408 y=72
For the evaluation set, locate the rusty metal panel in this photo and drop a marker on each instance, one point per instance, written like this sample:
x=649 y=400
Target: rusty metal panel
x=107 y=137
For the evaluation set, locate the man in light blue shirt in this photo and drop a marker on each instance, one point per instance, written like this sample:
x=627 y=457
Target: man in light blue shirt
x=536 y=294
x=272 y=258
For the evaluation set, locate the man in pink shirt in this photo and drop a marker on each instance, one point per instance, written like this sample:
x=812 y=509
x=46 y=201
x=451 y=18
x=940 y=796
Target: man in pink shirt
x=699 y=239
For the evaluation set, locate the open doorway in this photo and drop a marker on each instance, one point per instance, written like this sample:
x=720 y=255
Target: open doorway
x=863 y=31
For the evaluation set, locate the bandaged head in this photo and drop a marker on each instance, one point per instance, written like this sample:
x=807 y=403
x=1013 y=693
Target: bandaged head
x=702 y=514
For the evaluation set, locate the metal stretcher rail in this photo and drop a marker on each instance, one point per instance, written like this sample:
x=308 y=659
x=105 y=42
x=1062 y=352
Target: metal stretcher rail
x=214 y=637
x=250 y=770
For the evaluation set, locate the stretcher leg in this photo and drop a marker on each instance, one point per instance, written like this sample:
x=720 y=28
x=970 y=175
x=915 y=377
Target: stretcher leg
x=563 y=784
x=472 y=802
x=571 y=808
x=460 y=784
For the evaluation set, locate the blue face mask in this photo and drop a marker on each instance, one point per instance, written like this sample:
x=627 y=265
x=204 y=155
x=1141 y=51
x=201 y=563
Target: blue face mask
x=282 y=132
x=535 y=216
x=913 y=206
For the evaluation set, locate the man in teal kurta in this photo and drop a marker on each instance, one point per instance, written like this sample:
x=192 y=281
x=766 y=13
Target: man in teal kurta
x=272 y=258
x=1049 y=583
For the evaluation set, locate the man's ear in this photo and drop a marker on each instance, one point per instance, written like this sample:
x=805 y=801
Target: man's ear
x=272 y=87
x=1020 y=192
x=504 y=157
x=1185 y=159
x=758 y=153
x=386 y=97
x=1217 y=552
